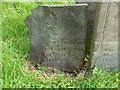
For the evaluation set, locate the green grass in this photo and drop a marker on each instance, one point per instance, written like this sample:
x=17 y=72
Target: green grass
x=15 y=50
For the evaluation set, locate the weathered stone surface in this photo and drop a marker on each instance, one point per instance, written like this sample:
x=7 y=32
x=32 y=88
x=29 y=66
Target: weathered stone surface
x=105 y=37
x=90 y=22
x=58 y=34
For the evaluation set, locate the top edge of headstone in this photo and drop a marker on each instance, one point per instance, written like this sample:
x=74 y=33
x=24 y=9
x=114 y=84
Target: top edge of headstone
x=64 y=5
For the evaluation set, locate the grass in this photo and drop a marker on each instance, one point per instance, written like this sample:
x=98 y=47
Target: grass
x=15 y=50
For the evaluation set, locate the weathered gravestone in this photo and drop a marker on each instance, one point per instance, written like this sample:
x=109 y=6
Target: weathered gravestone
x=90 y=22
x=58 y=34
x=105 y=37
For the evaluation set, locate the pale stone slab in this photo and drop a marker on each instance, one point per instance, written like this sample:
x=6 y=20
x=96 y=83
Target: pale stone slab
x=105 y=37
x=58 y=34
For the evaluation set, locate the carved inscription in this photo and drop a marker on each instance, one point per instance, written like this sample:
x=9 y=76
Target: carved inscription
x=105 y=49
x=65 y=48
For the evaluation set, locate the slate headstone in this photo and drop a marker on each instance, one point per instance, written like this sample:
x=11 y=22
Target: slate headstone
x=58 y=34
x=90 y=22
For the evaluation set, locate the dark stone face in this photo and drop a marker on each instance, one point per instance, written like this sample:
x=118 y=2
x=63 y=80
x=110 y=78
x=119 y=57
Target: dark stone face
x=91 y=12
x=58 y=35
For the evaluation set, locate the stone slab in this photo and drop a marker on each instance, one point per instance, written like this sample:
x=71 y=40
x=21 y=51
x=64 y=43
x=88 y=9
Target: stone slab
x=58 y=34
x=90 y=22
x=104 y=49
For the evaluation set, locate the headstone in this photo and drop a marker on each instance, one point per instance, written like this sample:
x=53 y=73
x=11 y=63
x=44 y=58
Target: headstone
x=58 y=34
x=90 y=22
x=105 y=37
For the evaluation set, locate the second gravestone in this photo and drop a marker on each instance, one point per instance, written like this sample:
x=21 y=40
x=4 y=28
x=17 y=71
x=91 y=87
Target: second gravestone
x=58 y=34
x=105 y=37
